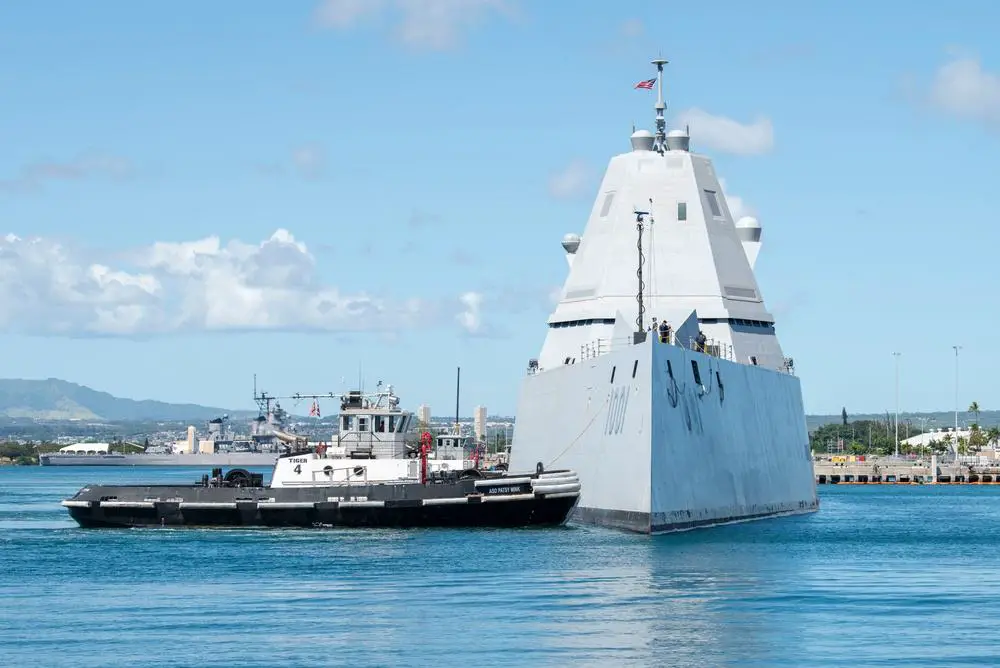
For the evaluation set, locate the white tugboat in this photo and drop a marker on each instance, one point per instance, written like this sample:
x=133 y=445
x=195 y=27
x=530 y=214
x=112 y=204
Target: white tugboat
x=704 y=428
x=372 y=474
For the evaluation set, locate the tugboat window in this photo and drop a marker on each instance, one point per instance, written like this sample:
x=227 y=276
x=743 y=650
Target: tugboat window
x=392 y=423
x=682 y=211
x=363 y=423
x=348 y=423
x=380 y=424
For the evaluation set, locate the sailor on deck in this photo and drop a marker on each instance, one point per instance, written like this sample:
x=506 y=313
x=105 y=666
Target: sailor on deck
x=700 y=341
x=664 y=332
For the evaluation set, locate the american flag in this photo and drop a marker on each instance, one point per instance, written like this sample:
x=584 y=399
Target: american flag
x=647 y=84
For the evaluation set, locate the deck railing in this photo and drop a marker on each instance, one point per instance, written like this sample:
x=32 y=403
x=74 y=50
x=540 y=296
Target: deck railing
x=715 y=347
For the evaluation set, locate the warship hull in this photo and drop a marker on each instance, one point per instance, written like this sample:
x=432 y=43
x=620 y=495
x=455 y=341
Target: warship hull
x=544 y=499
x=659 y=450
x=253 y=459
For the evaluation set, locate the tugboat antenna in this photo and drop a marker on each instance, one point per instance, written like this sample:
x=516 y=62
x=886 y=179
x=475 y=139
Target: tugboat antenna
x=458 y=387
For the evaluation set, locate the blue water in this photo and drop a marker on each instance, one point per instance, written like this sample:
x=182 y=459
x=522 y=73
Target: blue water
x=881 y=575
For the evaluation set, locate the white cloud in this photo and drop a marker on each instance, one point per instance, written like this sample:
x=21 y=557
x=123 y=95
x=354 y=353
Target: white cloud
x=470 y=318
x=555 y=295
x=962 y=88
x=631 y=28
x=346 y=13
x=306 y=161
x=724 y=134
x=737 y=206
x=423 y=24
x=35 y=175
x=571 y=181
x=48 y=287
x=309 y=160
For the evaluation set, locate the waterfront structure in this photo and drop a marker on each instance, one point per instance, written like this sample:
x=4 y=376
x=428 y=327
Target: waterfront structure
x=267 y=440
x=479 y=422
x=424 y=415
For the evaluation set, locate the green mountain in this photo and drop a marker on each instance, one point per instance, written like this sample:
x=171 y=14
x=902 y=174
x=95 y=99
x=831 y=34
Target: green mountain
x=55 y=399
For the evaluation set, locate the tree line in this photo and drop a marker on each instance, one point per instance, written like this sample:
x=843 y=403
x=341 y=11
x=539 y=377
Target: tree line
x=27 y=452
x=878 y=437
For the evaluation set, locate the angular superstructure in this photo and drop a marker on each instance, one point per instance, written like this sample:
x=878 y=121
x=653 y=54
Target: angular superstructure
x=704 y=428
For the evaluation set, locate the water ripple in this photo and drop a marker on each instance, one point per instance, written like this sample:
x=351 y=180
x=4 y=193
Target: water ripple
x=882 y=575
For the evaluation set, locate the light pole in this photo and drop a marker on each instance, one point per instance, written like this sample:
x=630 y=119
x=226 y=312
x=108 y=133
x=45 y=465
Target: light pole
x=957 y=348
x=924 y=433
x=896 y=355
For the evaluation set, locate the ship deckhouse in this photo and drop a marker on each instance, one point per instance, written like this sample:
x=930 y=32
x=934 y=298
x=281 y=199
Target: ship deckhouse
x=697 y=262
x=372 y=426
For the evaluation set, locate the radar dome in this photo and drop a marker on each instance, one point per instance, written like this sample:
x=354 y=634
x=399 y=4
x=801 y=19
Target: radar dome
x=678 y=140
x=642 y=140
x=571 y=242
x=748 y=228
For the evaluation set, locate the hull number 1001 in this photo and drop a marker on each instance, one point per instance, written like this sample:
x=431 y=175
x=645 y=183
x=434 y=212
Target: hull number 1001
x=617 y=404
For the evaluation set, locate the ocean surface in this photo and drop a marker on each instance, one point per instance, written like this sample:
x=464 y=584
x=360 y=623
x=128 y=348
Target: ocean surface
x=881 y=575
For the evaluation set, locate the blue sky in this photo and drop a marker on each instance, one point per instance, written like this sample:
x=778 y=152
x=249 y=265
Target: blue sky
x=202 y=191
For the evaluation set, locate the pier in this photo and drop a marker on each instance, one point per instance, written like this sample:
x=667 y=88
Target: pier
x=874 y=470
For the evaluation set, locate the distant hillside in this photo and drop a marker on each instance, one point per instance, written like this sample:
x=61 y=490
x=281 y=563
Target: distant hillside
x=55 y=399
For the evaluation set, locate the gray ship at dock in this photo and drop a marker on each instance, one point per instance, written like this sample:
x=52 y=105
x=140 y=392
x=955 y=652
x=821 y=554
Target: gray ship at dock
x=269 y=438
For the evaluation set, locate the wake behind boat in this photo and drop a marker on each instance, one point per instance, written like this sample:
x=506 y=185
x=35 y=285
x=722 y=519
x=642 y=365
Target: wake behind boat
x=371 y=477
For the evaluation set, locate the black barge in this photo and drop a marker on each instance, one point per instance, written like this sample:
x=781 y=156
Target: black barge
x=239 y=499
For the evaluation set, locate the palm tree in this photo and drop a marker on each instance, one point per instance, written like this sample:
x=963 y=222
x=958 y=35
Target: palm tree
x=993 y=436
x=947 y=441
x=977 y=438
x=974 y=409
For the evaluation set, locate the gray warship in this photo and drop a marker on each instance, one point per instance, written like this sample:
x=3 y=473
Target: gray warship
x=269 y=438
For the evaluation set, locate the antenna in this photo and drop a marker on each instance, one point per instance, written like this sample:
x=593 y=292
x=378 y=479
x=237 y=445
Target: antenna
x=458 y=385
x=642 y=308
x=661 y=124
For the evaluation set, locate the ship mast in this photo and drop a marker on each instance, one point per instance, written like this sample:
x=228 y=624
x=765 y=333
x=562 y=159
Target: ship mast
x=642 y=286
x=661 y=123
